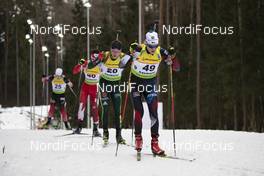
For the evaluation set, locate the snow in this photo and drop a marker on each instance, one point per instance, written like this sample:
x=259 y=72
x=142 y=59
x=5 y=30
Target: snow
x=19 y=117
x=42 y=152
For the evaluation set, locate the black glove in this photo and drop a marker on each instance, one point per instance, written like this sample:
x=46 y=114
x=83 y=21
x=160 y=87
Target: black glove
x=171 y=50
x=82 y=61
x=132 y=47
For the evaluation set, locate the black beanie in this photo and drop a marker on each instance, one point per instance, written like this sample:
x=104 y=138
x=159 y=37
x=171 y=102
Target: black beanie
x=116 y=45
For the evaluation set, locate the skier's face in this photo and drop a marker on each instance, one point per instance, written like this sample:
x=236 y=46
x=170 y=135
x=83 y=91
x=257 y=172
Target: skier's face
x=151 y=49
x=115 y=52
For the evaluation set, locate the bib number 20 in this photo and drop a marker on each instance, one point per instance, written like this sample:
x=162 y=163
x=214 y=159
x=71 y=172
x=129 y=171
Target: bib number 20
x=114 y=70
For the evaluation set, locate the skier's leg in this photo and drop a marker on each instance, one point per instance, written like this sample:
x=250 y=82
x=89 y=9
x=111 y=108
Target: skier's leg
x=51 y=109
x=94 y=109
x=139 y=111
x=82 y=106
x=83 y=101
x=63 y=111
x=116 y=98
x=152 y=101
x=105 y=106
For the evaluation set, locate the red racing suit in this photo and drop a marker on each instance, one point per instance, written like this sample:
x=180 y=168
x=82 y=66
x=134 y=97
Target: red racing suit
x=89 y=87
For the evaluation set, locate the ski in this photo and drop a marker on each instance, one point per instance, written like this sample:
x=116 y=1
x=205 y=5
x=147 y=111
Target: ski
x=171 y=157
x=106 y=143
x=73 y=133
x=180 y=158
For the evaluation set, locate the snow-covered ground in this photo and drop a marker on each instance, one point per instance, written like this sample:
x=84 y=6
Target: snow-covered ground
x=19 y=117
x=45 y=153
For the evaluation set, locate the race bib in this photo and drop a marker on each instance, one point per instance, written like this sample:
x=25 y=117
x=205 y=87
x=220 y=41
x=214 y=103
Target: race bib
x=92 y=77
x=111 y=74
x=145 y=70
x=58 y=86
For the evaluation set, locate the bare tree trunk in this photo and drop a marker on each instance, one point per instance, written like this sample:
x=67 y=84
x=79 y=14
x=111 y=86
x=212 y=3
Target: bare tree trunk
x=191 y=41
x=161 y=20
x=261 y=113
x=17 y=66
x=198 y=43
x=242 y=66
x=110 y=13
x=235 y=116
x=143 y=19
x=253 y=116
x=167 y=21
x=1 y=86
x=175 y=18
x=6 y=55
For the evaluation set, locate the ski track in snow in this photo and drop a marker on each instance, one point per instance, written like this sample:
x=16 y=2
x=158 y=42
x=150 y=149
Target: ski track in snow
x=20 y=158
x=240 y=154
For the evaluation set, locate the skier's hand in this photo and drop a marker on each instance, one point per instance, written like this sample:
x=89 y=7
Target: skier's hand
x=43 y=78
x=70 y=84
x=168 y=60
x=171 y=51
x=133 y=47
x=82 y=61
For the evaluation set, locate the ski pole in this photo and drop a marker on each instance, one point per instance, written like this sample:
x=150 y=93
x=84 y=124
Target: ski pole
x=117 y=145
x=73 y=92
x=126 y=97
x=42 y=94
x=117 y=34
x=132 y=135
x=172 y=109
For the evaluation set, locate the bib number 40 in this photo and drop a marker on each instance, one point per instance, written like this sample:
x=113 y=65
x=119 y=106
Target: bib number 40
x=91 y=75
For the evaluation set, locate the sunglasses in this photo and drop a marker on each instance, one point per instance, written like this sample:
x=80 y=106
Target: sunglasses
x=152 y=46
x=118 y=48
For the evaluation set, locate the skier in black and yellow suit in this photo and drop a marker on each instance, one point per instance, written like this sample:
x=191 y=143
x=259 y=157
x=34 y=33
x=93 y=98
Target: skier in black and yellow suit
x=147 y=58
x=109 y=82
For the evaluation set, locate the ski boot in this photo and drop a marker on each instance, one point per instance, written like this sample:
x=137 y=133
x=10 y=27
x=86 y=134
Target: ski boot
x=67 y=125
x=119 y=138
x=138 y=146
x=105 y=137
x=47 y=124
x=138 y=142
x=79 y=128
x=156 y=150
x=96 y=133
